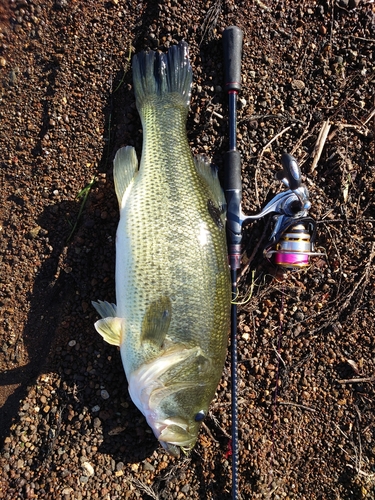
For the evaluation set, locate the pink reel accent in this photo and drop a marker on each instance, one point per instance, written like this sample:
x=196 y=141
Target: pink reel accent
x=291 y=259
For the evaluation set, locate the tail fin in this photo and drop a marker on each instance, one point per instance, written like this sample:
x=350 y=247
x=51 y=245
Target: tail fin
x=156 y=74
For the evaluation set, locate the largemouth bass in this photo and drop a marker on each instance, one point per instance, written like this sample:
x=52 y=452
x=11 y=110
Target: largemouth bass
x=173 y=291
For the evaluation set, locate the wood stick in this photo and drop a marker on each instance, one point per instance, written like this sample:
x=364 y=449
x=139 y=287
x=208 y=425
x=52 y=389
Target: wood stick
x=320 y=144
x=356 y=380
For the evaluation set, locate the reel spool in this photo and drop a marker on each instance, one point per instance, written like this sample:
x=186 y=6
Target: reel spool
x=293 y=248
x=292 y=245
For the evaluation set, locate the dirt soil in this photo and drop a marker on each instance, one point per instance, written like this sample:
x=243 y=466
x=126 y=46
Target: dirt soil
x=306 y=340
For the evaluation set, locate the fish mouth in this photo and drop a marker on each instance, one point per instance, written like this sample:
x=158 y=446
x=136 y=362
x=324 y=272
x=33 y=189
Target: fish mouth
x=175 y=436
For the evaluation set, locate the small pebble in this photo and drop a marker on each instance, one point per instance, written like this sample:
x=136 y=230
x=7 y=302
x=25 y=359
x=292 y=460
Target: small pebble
x=147 y=466
x=242 y=102
x=89 y=469
x=97 y=423
x=298 y=84
x=104 y=394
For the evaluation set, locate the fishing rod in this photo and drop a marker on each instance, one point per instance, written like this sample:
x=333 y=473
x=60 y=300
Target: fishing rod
x=291 y=242
x=232 y=45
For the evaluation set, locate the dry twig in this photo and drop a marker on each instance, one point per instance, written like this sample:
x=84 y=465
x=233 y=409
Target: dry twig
x=290 y=403
x=210 y=21
x=207 y=429
x=340 y=309
x=364 y=278
x=356 y=380
x=318 y=149
x=145 y=488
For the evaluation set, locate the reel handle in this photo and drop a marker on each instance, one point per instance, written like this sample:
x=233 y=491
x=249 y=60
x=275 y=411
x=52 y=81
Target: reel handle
x=291 y=172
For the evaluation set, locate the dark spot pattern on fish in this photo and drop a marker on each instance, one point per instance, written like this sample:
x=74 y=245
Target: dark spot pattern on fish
x=215 y=213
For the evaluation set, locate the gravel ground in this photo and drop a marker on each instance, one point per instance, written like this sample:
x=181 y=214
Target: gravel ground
x=306 y=341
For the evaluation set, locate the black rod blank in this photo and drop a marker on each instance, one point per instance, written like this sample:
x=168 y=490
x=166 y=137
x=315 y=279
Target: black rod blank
x=232 y=48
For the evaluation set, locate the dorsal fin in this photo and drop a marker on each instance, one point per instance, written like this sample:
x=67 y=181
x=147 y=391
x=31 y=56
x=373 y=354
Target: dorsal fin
x=208 y=173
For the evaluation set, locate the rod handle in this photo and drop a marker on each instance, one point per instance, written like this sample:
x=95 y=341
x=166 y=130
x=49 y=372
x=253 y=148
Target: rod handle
x=232 y=171
x=232 y=46
x=233 y=195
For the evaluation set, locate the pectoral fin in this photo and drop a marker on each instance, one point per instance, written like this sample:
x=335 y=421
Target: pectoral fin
x=156 y=322
x=125 y=167
x=110 y=329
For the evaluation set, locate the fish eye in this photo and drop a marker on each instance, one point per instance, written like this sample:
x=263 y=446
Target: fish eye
x=199 y=416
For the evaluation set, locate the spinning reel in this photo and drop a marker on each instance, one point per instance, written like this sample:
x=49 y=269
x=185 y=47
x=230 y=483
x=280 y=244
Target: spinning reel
x=293 y=231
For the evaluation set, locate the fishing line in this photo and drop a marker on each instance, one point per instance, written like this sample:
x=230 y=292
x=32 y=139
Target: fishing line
x=246 y=300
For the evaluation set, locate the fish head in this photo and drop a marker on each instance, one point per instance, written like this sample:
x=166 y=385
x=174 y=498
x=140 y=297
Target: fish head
x=174 y=397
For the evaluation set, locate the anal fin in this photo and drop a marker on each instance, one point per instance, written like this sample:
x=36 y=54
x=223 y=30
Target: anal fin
x=104 y=308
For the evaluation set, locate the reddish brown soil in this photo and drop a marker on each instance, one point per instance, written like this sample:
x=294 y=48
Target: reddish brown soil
x=306 y=340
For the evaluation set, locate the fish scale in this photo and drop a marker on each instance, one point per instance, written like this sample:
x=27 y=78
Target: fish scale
x=173 y=294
